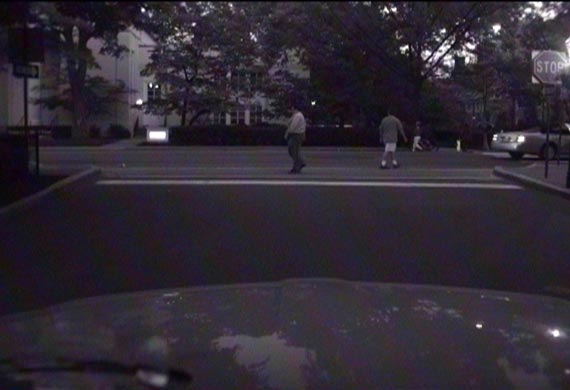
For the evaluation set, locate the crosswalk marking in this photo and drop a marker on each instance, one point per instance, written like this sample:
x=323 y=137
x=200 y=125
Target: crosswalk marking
x=326 y=183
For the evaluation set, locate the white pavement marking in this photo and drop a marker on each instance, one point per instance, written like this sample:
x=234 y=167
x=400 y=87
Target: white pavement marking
x=306 y=183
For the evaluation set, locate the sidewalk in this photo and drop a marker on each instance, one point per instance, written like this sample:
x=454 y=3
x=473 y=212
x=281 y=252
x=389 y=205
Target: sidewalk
x=533 y=176
x=123 y=144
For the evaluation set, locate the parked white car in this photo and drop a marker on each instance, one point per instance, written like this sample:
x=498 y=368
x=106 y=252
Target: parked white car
x=533 y=141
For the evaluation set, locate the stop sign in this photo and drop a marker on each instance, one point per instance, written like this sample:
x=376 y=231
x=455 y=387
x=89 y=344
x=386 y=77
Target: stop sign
x=547 y=66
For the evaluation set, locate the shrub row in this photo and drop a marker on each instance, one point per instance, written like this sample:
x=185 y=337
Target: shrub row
x=113 y=131
x=57 y=132
x=270 y=135
x=62 y=132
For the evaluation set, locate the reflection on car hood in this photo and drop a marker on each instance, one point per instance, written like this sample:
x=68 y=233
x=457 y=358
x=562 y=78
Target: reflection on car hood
x=314 y=333
x=533 y=131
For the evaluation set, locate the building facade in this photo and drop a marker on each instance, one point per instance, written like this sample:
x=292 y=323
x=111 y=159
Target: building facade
x=127 y=110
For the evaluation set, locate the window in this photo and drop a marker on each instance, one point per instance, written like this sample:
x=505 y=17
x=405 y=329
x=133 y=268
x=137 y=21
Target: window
x=153 y=92
x=233 y=118
x=219 y=118
x=256 y=79
x=255 y=115
x=235 y=81
x=241 y=117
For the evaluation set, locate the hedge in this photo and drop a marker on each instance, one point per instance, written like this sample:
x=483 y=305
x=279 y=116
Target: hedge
x=58 y=132
x=270 y=135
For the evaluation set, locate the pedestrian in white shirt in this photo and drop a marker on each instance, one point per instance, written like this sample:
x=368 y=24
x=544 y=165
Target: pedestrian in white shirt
x=295 y=136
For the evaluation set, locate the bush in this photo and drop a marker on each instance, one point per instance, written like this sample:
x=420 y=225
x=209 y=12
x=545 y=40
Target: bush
x=61 y=132
x=118 y=131
x=271 y=135
x=227 y=135
x=95 y=131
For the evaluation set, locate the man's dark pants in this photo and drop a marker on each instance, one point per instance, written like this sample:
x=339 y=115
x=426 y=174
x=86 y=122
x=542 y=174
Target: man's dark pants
x=294 y=142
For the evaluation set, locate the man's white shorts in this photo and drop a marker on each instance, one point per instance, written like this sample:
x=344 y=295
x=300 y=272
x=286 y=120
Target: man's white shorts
x=390 y=147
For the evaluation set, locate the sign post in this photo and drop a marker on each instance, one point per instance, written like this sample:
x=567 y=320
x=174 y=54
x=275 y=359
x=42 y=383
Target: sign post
x=27 y=71
x=547 y=66
x=25 y=44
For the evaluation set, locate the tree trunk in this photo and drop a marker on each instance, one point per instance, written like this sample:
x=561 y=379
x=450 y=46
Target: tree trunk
x=184 y=109
x=485 y=129
x=513 y=112
x=80 y=110
x=416 y=102
x=77 y=73
x=198 y=115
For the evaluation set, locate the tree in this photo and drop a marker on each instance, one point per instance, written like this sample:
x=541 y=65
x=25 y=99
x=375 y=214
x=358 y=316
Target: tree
x=200 y=49
x=369 y=54
x=69 y=26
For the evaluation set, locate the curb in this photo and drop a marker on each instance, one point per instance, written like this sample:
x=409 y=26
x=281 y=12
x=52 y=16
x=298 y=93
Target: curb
x=532 y=183
x=29 y=201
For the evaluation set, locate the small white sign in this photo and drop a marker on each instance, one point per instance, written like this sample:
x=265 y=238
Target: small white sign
x=157 y=134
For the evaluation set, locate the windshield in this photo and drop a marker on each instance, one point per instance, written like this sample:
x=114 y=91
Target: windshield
x=148 y=148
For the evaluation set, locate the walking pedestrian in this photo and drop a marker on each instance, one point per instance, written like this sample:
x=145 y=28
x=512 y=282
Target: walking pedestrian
x=295 y=136
x=389 y=129
x=417 y=137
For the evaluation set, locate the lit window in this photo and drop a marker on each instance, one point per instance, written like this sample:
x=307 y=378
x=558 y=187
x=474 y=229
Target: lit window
x=153 y=91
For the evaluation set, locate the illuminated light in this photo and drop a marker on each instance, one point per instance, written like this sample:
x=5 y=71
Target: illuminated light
x=150 y=85
x=139 y=102
x=157 y=135
x=555 y=333
x=479 y=325
x=521 y=139
x=567 y=371
x=496 y=28
x=313 y=103
x=193 y=24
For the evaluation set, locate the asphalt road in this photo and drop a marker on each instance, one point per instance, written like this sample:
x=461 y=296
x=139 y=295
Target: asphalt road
x=71 y=159
x=440 y=219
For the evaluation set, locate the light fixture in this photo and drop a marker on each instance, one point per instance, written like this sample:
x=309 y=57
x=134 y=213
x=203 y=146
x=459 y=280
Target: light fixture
x=139 y=102
x=555 y=333
x=157 y=134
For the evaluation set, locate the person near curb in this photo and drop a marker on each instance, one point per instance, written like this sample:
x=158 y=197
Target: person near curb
x=417 y=137
x=295 y=136
x=389 y=129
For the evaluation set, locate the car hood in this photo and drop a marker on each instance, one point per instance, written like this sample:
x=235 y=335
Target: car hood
x=313 y=333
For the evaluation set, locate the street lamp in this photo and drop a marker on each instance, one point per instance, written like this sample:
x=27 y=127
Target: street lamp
x=567 y=42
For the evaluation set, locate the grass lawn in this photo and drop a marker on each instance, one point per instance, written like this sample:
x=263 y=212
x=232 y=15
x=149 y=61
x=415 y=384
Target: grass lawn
x=48 y=141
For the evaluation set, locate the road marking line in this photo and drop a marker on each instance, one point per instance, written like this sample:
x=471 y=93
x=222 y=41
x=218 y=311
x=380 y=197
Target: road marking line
x=306 y=183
